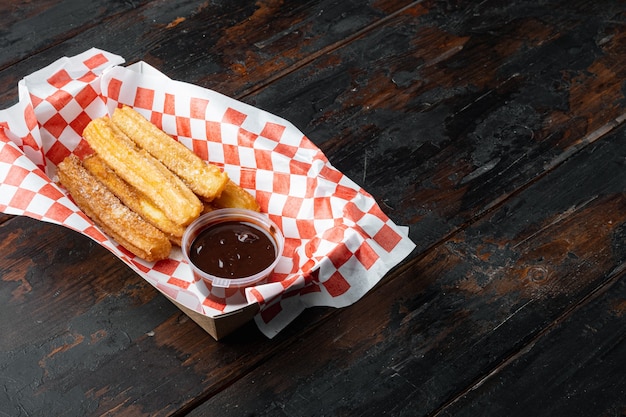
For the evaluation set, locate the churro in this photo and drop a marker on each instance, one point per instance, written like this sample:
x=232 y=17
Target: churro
x=234 y=196
x=110 y=214
x=205 y=179
x=143 y=171
x=133 y=198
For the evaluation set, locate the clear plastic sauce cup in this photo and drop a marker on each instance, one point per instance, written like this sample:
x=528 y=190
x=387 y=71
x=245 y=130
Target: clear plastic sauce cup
x=232 y=248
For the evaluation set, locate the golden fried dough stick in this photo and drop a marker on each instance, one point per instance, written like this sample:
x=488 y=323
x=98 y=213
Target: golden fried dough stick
x=143 y=171
x=234 y=196
x=108 y=212
x=206 y=180
x=208 y=207
x=133 y=198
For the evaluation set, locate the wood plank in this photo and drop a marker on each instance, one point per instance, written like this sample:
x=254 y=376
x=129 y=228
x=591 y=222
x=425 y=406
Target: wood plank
x=61 y=317
x=579 y=366
x=196 y=42
x=447 y=320
x=27 y=28
x=34 y=34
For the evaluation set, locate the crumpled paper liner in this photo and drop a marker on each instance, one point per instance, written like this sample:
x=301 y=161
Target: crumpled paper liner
x=339 y=243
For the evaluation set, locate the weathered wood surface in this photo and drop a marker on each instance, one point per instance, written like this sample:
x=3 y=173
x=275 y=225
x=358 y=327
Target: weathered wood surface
x=494 y=130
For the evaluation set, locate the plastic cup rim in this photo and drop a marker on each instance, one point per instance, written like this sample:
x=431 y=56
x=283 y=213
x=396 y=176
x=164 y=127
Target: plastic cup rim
x=225 y=214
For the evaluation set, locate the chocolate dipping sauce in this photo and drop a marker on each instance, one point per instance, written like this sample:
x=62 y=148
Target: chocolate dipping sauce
x=232 y=249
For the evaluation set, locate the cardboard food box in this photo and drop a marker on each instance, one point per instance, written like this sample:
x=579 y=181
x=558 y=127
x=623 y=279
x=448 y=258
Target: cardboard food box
x=339 y=243
x=221 y=325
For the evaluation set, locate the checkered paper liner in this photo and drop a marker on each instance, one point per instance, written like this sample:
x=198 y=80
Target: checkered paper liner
x=339 y=243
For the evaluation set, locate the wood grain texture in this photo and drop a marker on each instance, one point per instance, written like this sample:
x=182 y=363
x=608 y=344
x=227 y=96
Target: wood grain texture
x=573 y=364
x=492 y=129
x=229 y=46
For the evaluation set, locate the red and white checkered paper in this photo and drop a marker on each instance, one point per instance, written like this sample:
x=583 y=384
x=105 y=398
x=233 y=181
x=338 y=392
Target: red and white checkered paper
x=339 y=243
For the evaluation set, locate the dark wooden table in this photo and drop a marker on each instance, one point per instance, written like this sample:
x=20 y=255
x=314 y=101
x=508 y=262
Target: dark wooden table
x=494 y=129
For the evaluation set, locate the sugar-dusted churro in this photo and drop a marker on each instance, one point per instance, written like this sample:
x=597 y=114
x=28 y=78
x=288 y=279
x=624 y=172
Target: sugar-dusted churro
x=206 y=180
x=110 y=214
x=235 y=196
x=133 y=198
x=142 y=171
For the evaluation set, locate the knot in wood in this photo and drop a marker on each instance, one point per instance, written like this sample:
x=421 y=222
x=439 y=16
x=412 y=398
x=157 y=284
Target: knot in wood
x=537 y=274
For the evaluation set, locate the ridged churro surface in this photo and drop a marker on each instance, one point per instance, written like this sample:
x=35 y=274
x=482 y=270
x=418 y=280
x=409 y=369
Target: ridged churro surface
x=133 y=198
x=110 y=214
x=142 y=171
x=206 y=180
